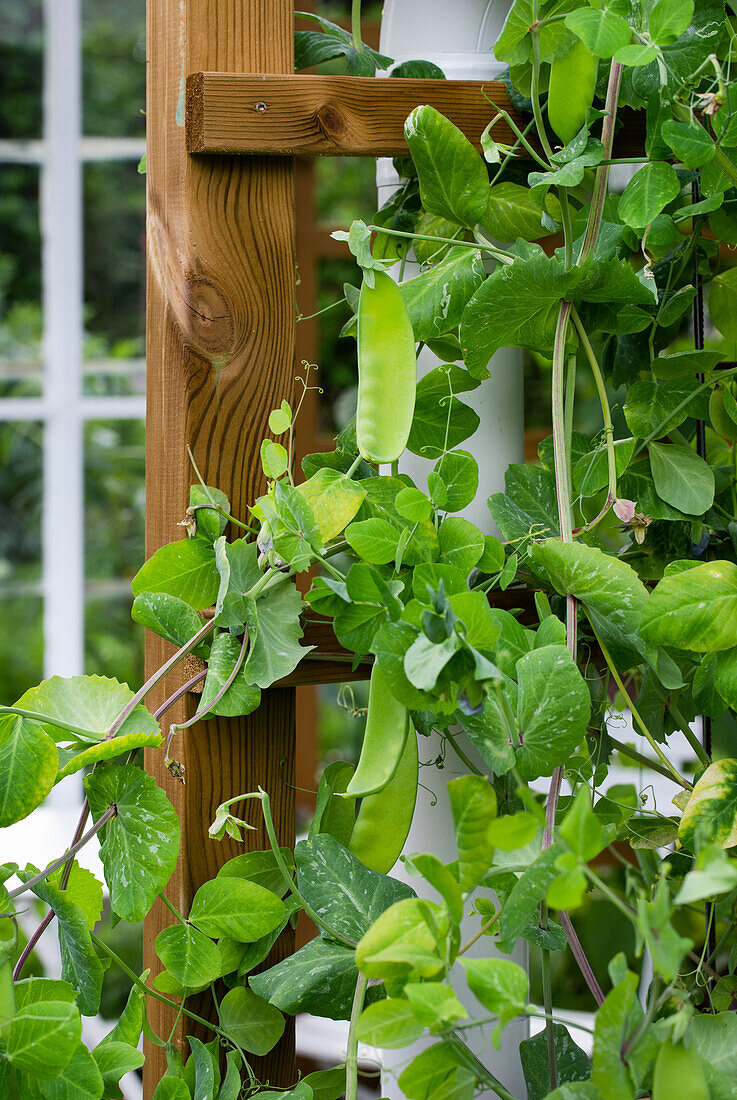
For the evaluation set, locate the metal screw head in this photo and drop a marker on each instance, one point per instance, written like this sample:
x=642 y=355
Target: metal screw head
x=261 y=107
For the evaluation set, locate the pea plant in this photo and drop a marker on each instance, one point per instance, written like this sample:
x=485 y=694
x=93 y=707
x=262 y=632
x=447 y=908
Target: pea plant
x=627 y=537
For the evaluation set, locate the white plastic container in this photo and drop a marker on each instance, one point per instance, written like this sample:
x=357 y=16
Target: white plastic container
x=459 y=37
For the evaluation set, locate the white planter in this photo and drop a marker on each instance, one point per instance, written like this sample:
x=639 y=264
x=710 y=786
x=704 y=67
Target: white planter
x=458 y=37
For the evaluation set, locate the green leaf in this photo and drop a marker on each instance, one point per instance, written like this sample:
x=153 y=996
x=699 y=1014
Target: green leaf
x=690 y=143
x=514 y=211
x=682 y=478
x=425 y=660
x=209 y=523
x=171 y=1088
x=518 y=305
x=140 y=845
x=190 y=957
x=581 y=829
x=614 y=1022
x=241 y=697
x=513 y=831
x=185 y=569
x=408 y=938
x=526 y=895
x=29 y=761
x=634 y=56
x=714 y=1038
x=571 y=1063
x=667 y=948
x=609 y=588
x=334 y=500
x=237 y=908
x=553 y=710
x=723 y=303
x=331 y=41
x=320 y=978
x=714 y=873
x=260 y=868
x=440 y=422
x=167 y=616
x=84 y=890
x=412 y=504
x=90 y=702
x=601 y=31
x=374 y=540
x=326 y=1084
x=695 y=610
x=490 y=737
x=79 y=1080
x=346 y=895
x=461 y=543
x=648 y=193
x=460 y=474
x=80 y=965
x=441 y=1071
x=473 y=806
x=115 y=1059
x=251 y=1022
x=454 y=182
x=389 y=1024
x=711 y=811
x=274 y=628
x=660 y=408
x=497 y=983
x=591 y=472
x=434 y=1004
x=43 y=1037
x=109 y=750
x=280 y=419
x=669 y=19
x=436 y=299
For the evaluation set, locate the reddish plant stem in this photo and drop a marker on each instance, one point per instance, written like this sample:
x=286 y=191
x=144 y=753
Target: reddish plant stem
x=179 y=693
x=601 y=182
x=580 y=956
x=159 y=675
x=64 y=861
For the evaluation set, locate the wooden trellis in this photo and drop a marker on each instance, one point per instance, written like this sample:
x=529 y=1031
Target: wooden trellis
x=221 y=353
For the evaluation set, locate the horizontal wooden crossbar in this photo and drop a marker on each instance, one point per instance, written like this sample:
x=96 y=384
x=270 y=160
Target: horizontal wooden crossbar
x=344 y=116
x=348 y=116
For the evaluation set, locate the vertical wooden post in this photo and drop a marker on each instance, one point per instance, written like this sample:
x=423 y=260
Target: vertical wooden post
x=220 y=352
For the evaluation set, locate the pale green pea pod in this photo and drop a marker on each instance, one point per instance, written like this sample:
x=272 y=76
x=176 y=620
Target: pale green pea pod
x=572 y=88
x=7 y=993
x=384 y=819
x=387 y=371
x=387 y=726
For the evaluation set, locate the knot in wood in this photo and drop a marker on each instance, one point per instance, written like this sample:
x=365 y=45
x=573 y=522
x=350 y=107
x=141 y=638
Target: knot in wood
x=330 y=121
x=210 y=323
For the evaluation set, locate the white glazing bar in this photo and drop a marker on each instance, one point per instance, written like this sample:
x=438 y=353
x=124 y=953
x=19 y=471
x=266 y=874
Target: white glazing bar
x=61 y=222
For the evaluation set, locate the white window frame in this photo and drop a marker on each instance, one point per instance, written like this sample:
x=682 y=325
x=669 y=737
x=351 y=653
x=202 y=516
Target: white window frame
x=63 y=410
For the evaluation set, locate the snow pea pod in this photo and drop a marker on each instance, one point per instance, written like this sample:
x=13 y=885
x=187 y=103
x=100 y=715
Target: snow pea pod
x=384 y=739
x=384 y=819
x=387 y=371
x=571 y=91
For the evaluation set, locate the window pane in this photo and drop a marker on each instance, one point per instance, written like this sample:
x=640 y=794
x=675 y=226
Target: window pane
x=113 y=644
x=114 y=67
x=21 y=69
x=113 y=547
x=113 y=501
x=115 y=198
x=21 y=642
x=20 y=281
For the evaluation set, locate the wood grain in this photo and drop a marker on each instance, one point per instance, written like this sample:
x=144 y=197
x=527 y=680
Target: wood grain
x=220 y=351
x=348 y=116
x=327 y=115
